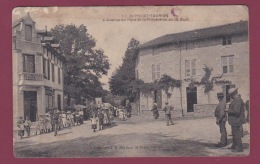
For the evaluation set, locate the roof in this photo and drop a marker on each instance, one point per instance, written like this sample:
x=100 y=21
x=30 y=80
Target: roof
x=27 y=17
x=227 y=29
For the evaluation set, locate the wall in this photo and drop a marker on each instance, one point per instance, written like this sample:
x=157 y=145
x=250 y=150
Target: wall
x=206 y=52
x=202 y=110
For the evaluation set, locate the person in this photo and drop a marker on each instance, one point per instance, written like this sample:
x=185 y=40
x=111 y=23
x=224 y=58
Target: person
x=27 y=126
x=235 y=119
x=42 y=124
x=81 y=116
x=48 y=122
x=155 y=111
x=129 y=109
x=20 y=125
x=221 y=118
x=168 y=110
x=56 y=118
x=101 y=119
x=94 y=120
x=247 y=111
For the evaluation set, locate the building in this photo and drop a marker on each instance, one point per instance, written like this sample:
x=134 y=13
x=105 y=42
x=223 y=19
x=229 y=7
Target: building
x=183 y=56
x=37 y=71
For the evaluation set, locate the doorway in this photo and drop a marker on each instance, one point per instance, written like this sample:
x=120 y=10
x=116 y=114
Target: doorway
x=158 y=98
x=191 y=98
x=30 y=105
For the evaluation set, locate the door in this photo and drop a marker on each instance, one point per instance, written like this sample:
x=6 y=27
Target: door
x=158 y=98
x=30 y=105
x=59 y=101
x=191 y=98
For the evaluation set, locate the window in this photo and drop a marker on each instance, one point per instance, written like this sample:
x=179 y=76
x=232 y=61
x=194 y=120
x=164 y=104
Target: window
x=226 y=40
x=227 y=64
x=53 y=72
x=59 y=75
x=49 y=70
x=28 y=63
x=190 y=67
x=156 y=71
x=48 y=101
x=44 y=68
x=28 y=32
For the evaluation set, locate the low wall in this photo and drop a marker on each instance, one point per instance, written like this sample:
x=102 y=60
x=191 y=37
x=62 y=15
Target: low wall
x=202 y=110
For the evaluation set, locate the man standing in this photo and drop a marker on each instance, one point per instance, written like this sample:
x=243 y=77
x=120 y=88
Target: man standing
x=235 y=119
x=168 y=110
x=56 y=117
x=221 y=118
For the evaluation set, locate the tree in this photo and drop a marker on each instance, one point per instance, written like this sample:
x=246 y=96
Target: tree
x=166 y=82
x=84 y=63
x=121 y=79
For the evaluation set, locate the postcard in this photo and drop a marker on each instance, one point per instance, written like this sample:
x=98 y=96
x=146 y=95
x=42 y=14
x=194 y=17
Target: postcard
x=131 y=81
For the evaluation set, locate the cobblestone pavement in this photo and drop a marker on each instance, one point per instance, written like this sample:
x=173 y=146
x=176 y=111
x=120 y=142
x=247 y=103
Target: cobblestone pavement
x=139 y=136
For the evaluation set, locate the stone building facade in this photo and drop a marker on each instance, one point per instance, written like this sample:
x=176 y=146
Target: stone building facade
x=183 y=56
x=37 y=71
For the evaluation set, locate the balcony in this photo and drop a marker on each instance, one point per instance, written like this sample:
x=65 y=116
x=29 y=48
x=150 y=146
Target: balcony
x=26 y=78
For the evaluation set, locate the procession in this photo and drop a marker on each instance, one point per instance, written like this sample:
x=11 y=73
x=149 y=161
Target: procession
x=108 y=85
x=100 y=116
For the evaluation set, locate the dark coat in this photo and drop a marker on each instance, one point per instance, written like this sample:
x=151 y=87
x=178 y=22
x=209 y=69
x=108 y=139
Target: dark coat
x=220 y=113
x=235 y=112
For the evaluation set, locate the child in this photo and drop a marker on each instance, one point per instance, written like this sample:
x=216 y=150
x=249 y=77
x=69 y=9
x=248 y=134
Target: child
x=94 y=120
x=42 y=125
x=20 y=125
x=27 y=126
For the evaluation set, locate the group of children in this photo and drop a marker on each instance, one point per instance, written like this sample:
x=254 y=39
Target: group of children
x=101 y=118
x=24 y=125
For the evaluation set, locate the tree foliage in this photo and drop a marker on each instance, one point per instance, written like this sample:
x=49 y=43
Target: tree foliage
x=123 y=77
x=84 y=63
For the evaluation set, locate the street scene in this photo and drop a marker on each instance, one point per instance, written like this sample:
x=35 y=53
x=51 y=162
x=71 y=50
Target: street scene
x=143 y=81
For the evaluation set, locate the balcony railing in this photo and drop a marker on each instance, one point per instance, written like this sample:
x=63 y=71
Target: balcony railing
x=31 y=76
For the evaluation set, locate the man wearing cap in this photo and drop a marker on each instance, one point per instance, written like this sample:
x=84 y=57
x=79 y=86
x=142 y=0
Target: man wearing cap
x=221 y=118
x=235 y=119
x=168 y=110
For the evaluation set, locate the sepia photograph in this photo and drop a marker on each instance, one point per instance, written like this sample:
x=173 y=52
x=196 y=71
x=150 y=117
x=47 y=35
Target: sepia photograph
x=131 y=81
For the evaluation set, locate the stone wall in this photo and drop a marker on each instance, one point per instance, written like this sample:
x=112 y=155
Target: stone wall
x=202 y=110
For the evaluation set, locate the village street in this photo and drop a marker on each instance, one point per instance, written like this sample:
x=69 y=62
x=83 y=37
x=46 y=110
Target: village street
x=139 y=136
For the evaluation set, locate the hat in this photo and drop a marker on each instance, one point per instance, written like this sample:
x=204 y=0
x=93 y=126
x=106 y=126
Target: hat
x=166 y=102
x=69 y=112
x=232 y=90
x=220 y=94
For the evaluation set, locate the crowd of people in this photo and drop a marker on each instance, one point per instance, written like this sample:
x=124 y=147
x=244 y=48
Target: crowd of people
x=101 y=117
x=52 y=121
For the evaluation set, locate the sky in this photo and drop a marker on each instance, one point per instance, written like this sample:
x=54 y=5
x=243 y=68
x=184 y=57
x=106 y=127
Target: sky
x=114 y=36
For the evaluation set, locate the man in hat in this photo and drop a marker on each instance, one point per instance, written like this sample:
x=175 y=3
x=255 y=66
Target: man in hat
x=235 y=119
x=221 y=118
x=168 y=110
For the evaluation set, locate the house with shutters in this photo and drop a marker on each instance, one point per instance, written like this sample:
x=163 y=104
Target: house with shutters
x=37 y=70
x=183 y=56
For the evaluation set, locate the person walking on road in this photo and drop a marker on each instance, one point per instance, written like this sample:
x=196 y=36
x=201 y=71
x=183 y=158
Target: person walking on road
x=155 y=111
x=168 y=110
x=235 y=119
x=221 y=118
